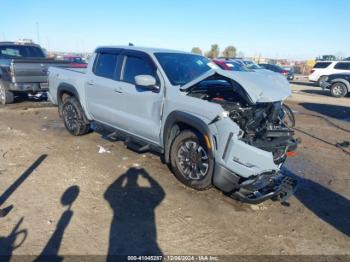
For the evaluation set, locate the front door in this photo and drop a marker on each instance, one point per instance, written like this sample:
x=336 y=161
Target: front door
x=139 y=109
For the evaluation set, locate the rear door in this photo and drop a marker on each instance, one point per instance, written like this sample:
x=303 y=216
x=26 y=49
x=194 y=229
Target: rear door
x=102 y=86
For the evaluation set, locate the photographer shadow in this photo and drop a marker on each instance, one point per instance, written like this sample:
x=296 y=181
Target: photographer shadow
x=133 y=227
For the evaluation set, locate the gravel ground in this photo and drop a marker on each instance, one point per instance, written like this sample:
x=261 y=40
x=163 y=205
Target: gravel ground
x=64 y=197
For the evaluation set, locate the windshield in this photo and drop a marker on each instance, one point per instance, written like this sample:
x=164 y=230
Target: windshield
x=183 y=68
x=252 y=65
x=18 y=51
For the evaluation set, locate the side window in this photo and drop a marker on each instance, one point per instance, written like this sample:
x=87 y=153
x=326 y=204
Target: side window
x=342 y=66
x=105 y=65
x=322 y=64
x=137 y=66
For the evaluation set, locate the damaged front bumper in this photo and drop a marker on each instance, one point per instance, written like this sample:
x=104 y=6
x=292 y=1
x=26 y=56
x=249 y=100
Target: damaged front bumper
x=255 y=190
x=280 y=188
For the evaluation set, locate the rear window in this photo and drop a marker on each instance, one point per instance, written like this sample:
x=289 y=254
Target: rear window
x=106 y=65
x=21 y=51
x=322 y=64
x=342 y=65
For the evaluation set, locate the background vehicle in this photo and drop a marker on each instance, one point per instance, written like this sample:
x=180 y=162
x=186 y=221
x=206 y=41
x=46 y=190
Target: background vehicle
x=23 y=69
x=75 y=61
x=339 y=84
x=251 y=65
x=289 y=74
x=230 y=64
x=211 y=126
x=325 y=68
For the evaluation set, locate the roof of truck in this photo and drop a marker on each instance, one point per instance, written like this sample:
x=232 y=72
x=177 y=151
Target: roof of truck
x=18 y=43
x=149 y=50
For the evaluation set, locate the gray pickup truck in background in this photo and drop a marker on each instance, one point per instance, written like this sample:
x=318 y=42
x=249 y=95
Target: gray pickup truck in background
x=23 y=69
x=212 y=127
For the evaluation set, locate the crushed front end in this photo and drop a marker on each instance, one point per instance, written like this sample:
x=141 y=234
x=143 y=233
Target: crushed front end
x=253 y=142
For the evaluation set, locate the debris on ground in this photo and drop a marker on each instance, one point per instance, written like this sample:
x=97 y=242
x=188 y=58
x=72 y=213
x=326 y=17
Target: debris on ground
x=102 y=150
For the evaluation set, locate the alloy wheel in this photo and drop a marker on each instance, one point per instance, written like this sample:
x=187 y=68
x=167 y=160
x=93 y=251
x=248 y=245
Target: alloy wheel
x=70 y=116
x=337 y=90
x=193 y=160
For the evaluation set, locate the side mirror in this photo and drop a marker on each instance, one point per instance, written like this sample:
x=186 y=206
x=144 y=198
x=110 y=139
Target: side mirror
x=146 y=81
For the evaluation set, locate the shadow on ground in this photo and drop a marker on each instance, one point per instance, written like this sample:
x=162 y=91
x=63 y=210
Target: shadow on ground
x=329 y=206
x=17 y=237
x=12 y=241
x=50 y=251
x=133 y=227
x=12 y=188
x=335 y=111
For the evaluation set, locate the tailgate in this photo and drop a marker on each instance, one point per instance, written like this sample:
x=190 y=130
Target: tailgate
x=33 y=70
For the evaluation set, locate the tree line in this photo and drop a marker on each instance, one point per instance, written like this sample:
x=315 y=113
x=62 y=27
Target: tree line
x=214 y=52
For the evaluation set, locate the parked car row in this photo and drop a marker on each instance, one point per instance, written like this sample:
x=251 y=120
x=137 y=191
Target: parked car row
x=237 y=64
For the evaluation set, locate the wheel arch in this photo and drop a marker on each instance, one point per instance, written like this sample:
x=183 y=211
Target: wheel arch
x=68 y=89
x=178 y=121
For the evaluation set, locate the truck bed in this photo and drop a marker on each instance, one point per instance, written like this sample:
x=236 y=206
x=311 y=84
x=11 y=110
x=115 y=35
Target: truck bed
x=33 y=70
x=71 y=76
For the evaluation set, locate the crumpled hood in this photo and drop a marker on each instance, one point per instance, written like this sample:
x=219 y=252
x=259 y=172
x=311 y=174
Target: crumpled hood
x=261 y=88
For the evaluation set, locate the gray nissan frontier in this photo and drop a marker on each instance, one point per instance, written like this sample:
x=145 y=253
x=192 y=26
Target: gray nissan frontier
x=212 y=127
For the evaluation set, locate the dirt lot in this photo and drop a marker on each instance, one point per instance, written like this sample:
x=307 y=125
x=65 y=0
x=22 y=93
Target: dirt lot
x=64 y=197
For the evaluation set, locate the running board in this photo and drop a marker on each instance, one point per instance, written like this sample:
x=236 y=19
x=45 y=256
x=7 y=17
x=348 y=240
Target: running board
x=137 y=147
x=136 y=144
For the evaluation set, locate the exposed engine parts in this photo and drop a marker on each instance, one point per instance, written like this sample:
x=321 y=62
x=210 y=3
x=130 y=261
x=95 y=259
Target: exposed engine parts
x=262 y=123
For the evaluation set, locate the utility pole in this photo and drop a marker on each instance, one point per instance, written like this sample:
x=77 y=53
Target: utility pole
x=37 y=33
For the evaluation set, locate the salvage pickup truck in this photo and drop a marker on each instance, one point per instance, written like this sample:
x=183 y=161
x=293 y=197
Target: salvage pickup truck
x=23 y=69
x=212 y=126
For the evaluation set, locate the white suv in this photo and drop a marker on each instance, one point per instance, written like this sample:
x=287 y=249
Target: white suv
x=325 y=68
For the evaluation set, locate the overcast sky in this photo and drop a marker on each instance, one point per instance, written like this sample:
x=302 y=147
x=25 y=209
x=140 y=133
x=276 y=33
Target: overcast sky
x=277 y=29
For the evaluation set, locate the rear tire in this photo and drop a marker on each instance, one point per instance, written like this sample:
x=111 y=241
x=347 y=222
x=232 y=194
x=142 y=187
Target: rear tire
x=338 y=90
x=74 y=117
x=6 y=97
x=191 y=162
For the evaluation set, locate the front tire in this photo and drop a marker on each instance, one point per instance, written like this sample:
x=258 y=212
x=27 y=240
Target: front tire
x=338 y=90
x=74 y=117
x=191 y=161
x=6 y=97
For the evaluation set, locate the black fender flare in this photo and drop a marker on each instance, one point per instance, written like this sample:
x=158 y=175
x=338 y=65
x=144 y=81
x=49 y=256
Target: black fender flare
x=343 y=81
x=179 y=117
x=65 y=87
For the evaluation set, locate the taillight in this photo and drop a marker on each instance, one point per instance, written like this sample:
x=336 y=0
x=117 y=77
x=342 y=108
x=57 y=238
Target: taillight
x=285 y=72
x=291 y=153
